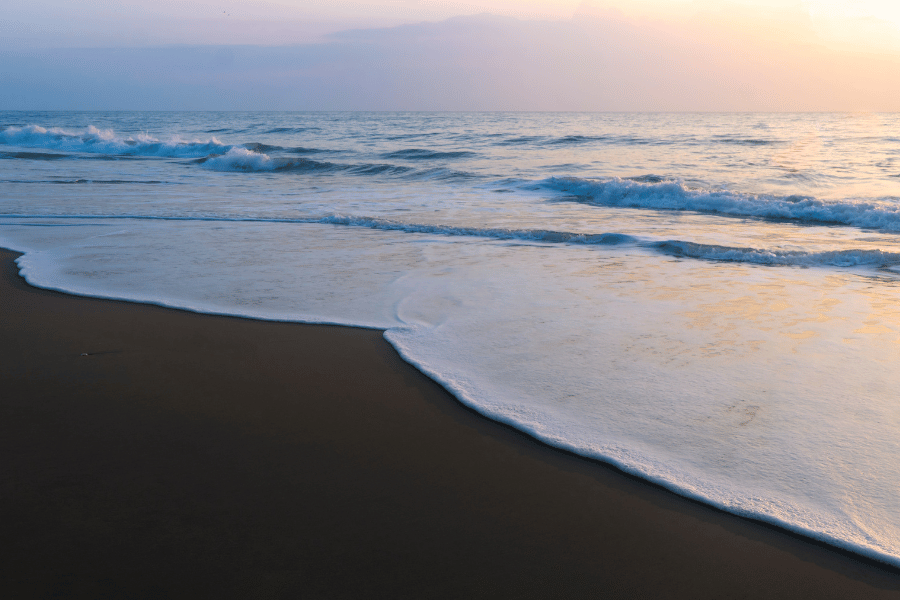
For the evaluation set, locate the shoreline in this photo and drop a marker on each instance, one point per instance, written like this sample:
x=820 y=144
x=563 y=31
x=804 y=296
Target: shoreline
x=155 y=451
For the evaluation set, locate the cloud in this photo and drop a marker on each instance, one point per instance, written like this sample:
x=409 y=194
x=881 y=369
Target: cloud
x=591 y=62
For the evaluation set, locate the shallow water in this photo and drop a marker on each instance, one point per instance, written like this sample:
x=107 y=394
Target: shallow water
x=707 y=301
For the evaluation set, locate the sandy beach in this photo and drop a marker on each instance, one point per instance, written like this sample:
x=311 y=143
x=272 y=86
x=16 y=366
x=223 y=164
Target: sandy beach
x=150 y=452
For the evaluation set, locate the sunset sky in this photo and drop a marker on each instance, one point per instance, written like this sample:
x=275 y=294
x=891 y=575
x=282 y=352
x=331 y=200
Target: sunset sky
x=451 y=55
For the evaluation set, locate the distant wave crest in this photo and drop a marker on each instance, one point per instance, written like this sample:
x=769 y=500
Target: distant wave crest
x=105 y=141
x=250 y=157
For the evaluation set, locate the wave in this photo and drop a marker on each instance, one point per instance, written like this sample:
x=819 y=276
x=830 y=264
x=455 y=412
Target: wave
x=744 y=141
x=794 y=258
x=289 y=129
x=576 y=139
x=626 y=140
x=649 y=178
x=629 y=140
x=34 y=155
x=96 y=144
x=105 y=141
x=679 y=248
x=420 y=154
x=674 y=195
x=83 y=181
x=58 y=156
x=440 y=174
x=259 y=147
x=242 y=159
x=303 y=150
x=411 y=136
x=529 y=235
x=526 y=139
x=377 y=169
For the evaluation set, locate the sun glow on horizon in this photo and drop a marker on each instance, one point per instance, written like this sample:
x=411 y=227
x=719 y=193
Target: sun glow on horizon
x=781 y=55
x=850 y=25
x=856 y=26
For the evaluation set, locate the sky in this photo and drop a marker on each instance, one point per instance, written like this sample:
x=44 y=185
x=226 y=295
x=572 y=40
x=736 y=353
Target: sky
x=643 y=55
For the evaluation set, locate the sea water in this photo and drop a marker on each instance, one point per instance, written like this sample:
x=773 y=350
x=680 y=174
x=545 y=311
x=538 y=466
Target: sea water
x=708 y=301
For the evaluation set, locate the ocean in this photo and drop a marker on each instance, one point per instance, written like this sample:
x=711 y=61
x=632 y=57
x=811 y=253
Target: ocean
x=707 y=301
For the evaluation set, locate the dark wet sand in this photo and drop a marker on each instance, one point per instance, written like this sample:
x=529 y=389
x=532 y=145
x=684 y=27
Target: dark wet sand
x=210 y=457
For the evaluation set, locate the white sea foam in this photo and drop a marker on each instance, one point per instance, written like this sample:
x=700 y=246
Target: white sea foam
x=581 y=348
x=241 y=159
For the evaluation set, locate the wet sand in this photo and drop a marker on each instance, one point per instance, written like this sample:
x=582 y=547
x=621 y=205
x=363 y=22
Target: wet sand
x=150 y=452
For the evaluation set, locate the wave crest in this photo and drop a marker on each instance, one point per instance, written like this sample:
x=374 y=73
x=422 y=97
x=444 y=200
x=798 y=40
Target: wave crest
x=105 y=141
x=674 y=195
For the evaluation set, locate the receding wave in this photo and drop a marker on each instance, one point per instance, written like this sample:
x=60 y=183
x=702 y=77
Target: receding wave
x=674 y=195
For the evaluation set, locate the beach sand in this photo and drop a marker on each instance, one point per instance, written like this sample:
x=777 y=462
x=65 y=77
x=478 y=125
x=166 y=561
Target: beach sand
x=150 y=452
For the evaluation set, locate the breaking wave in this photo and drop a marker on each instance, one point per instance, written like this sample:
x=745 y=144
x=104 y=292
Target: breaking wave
x=881 y=214
x=242 y=159
x=105 y=141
